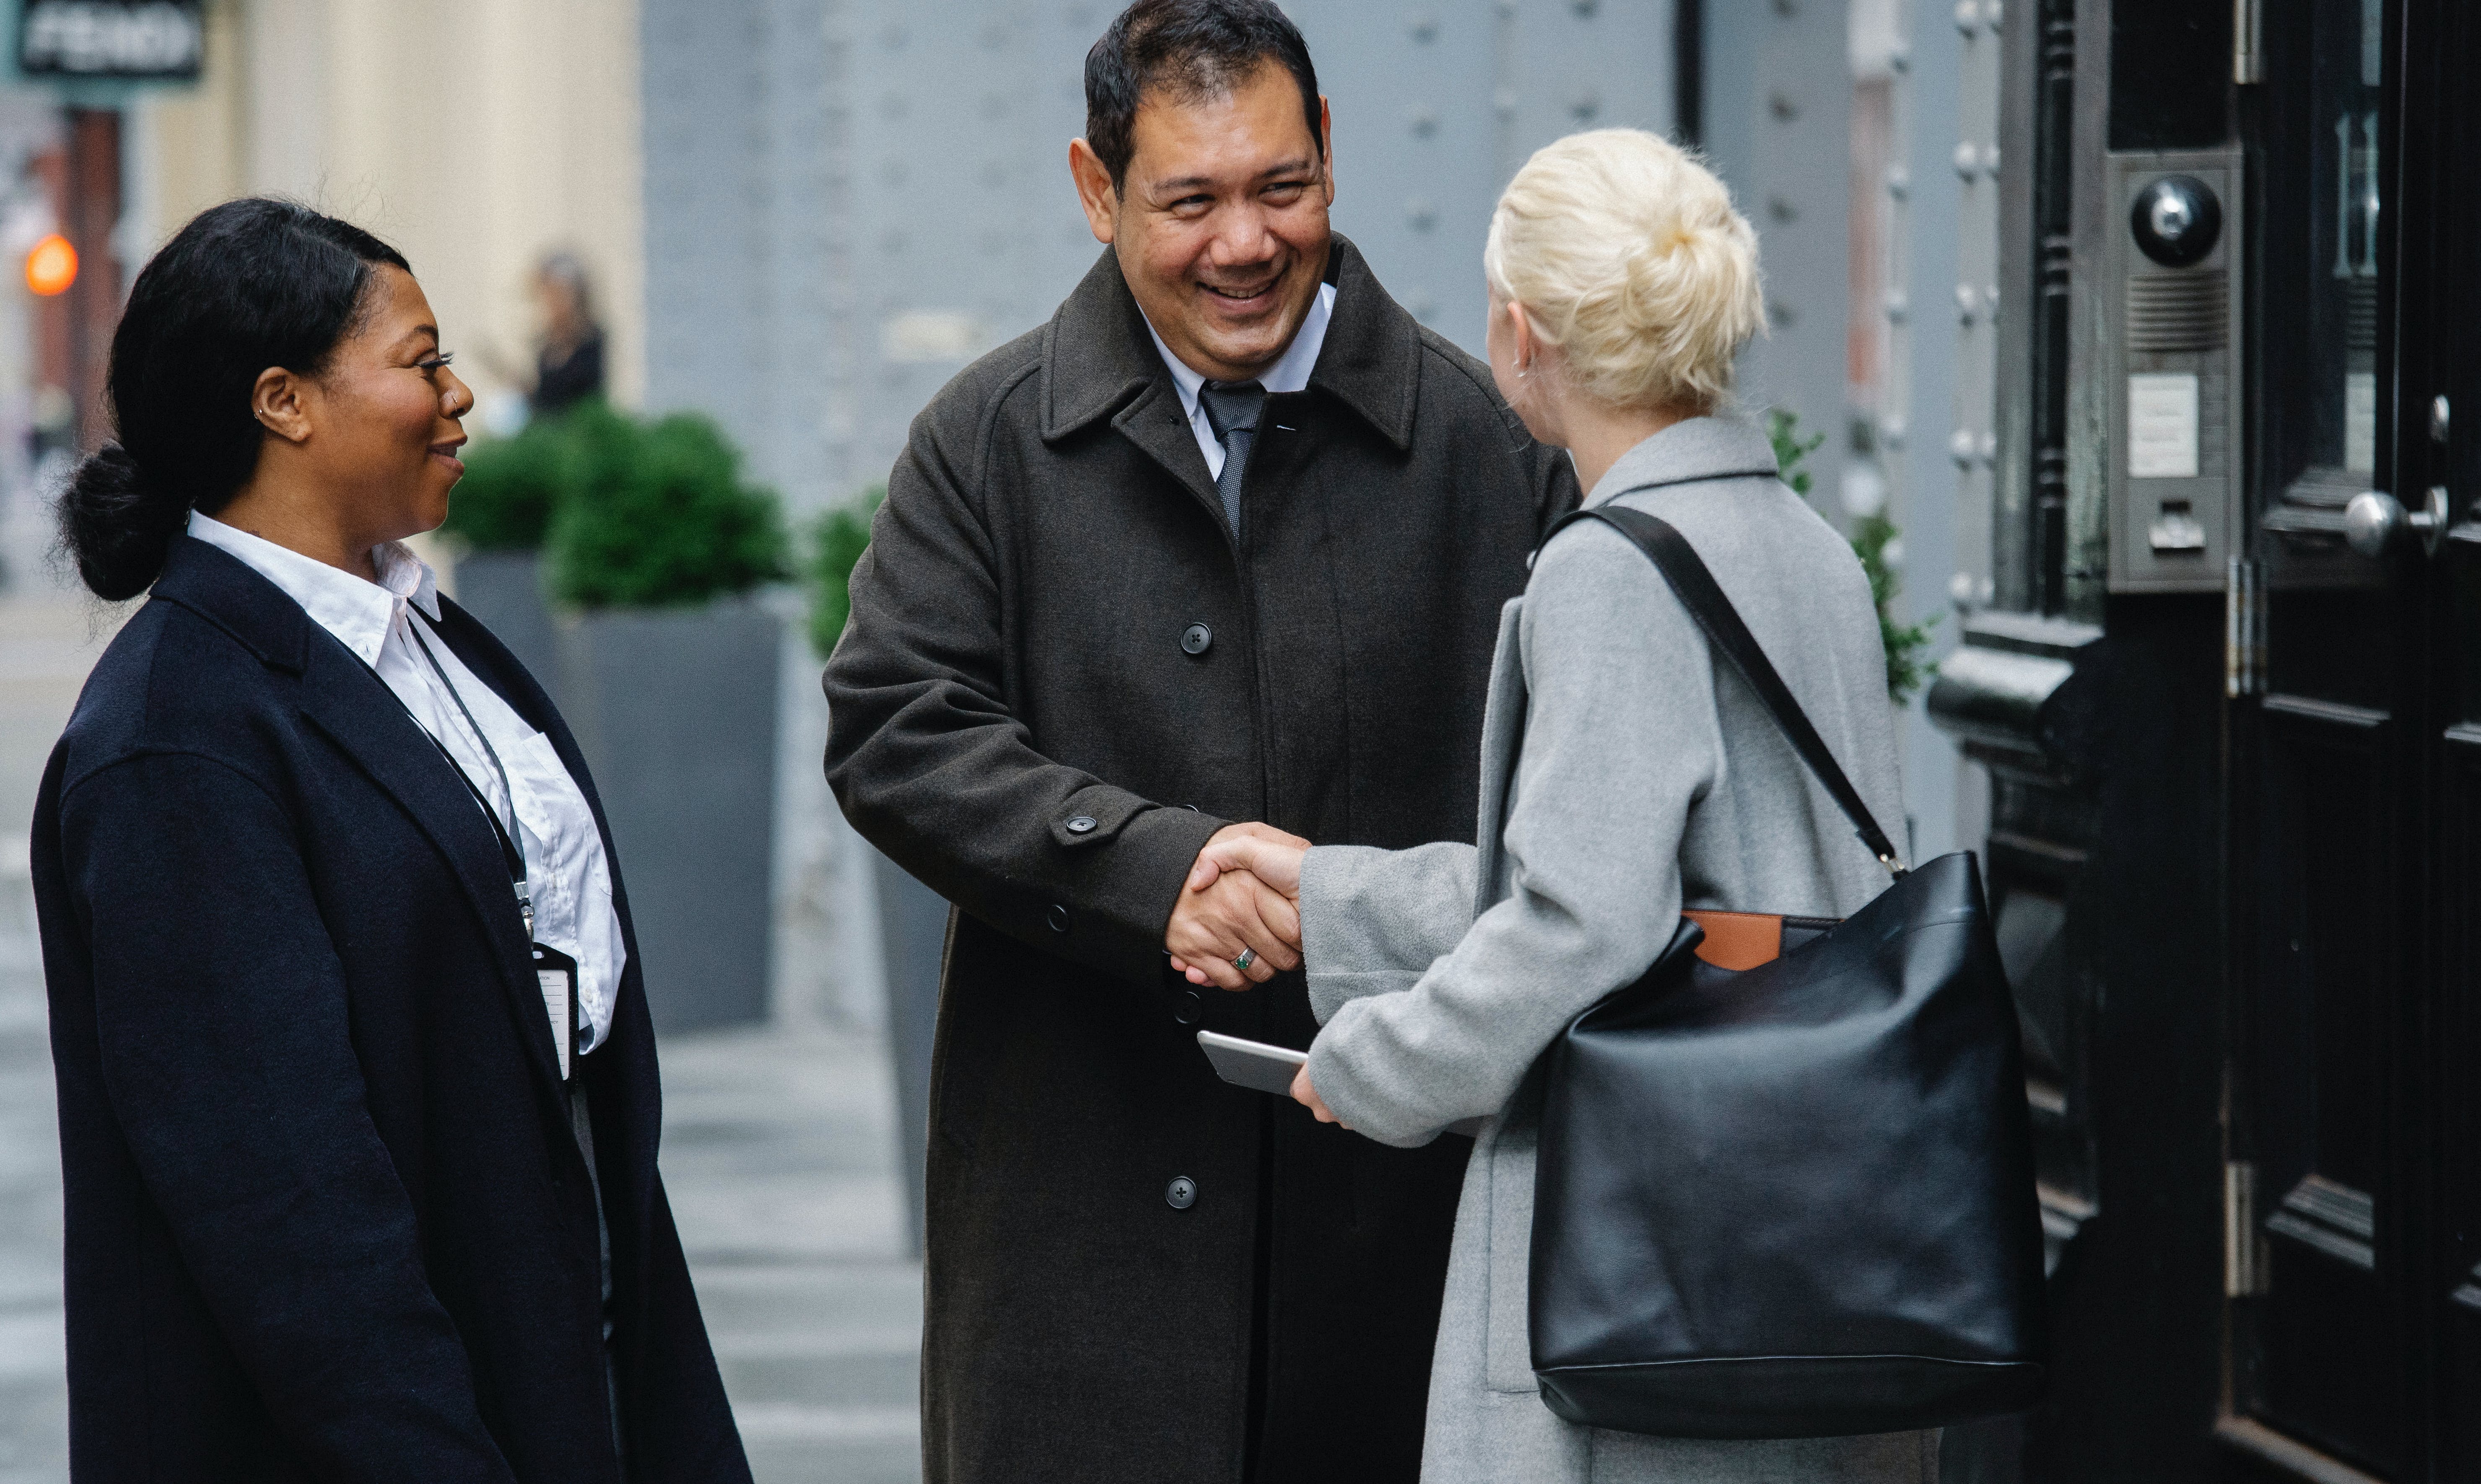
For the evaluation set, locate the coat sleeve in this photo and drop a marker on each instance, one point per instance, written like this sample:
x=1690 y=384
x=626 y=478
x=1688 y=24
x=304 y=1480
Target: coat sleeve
x=1620 y=743
x=1373 y=921
x=932 y=767
x=220 y=1011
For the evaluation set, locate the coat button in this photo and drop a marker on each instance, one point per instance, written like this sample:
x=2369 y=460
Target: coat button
x=1181 y=1194
x=1188 y=1009
x=1195 y=638
x=1082 y=824
x=1059 y=918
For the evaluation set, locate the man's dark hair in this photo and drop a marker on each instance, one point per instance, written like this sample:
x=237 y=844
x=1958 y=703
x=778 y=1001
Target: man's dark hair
x=1194 y=49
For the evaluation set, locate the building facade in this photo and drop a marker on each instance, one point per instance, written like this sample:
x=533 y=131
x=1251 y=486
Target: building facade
x=2224 y=693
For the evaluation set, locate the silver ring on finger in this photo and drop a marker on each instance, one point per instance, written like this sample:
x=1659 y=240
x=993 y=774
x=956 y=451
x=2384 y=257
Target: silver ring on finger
x=1247 y=957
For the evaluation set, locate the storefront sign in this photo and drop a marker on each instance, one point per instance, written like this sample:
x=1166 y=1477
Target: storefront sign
x=123 y=39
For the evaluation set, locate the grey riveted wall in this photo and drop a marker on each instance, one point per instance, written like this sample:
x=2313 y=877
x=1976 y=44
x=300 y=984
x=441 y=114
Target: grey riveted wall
x=1778 y=95
x=1944 y=499
x=744 y=128
x=849 y=202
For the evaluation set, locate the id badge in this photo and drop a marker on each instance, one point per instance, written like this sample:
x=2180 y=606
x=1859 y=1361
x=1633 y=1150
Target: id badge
x=557 y=972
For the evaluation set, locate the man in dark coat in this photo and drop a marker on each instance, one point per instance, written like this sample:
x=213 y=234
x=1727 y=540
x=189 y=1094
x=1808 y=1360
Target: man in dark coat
x=1075 y=654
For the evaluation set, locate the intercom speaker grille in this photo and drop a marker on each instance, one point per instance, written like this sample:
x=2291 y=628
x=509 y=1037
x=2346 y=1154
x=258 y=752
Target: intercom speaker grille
x=2184 y=310
x=2360 y=315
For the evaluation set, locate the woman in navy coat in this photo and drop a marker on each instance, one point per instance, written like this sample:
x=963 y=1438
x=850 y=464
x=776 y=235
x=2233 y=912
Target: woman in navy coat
x=357 y=1092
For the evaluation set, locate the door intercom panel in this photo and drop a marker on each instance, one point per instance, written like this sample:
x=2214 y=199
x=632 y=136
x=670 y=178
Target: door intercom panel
x=2172 y=353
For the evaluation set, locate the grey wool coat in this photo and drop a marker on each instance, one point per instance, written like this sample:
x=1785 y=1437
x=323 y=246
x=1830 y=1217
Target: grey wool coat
x=1626 y=773
x=1016 y=720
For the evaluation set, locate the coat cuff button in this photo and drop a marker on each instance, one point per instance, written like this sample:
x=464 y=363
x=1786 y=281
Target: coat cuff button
x=1181 y=1194
x=1080 y=824
x=1059 y=918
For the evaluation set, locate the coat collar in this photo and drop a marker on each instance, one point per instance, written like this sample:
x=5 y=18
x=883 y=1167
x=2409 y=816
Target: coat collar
x=359 y=613
x=221 y=589
x=346 y=701
x=1699 y=448
x=1099 y=360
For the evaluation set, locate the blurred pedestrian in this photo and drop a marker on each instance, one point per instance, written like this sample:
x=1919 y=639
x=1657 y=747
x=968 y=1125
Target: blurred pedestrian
x=358 y=1095
x=1629 y=772
x=568 y=365
x=1227 y=539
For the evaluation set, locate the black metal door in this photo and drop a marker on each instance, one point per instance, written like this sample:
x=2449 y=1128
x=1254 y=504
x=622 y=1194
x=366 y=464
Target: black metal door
x=2358 y=812
x=2439 y=439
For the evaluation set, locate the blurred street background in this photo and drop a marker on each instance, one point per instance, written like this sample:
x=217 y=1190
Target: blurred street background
x=763 y=233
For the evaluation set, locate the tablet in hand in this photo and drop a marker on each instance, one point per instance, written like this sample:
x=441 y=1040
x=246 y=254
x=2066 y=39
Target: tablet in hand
x=1272 y=1068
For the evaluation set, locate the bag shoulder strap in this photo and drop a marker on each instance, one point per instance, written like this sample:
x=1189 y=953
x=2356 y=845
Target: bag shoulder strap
x=1698 y=592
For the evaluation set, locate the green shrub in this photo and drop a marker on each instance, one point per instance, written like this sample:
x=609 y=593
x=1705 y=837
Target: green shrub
x=1871 y=536
x=1791 y=449
x=658 y=515
x=836 y=543
x=511 y=488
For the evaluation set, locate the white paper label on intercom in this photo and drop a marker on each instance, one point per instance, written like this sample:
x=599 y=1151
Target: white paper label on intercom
x=2360 y=422
x=2162 y=426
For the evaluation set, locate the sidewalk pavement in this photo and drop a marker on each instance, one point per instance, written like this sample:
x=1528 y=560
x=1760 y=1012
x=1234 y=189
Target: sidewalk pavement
x=778 y=1158
x=778 y=1153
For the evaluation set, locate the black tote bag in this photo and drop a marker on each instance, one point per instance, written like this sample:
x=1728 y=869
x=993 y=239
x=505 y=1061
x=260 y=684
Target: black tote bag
x=1789 y=1192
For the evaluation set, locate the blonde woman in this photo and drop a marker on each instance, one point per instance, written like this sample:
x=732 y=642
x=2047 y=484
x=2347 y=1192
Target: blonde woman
x=1627 y=774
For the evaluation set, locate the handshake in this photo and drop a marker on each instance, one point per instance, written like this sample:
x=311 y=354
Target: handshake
x=1238 y=918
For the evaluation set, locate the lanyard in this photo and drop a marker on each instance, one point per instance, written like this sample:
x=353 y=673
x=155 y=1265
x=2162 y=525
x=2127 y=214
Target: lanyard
x=513 y=844
x=555 y=972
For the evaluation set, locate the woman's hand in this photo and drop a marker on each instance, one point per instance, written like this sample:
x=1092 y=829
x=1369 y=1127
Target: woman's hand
x=1274 y=859
x=1307 y=1097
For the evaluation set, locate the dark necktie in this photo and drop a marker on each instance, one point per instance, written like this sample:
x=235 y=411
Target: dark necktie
x=1232 y=409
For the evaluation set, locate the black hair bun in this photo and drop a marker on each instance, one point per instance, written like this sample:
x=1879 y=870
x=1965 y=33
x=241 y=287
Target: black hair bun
x=117 y=523
x=247 y=285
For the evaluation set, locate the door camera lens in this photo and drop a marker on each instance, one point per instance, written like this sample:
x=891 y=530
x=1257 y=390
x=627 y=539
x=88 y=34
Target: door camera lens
x=2176 y=220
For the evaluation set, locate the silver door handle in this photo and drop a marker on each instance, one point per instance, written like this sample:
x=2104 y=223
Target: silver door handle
x=2375 y=522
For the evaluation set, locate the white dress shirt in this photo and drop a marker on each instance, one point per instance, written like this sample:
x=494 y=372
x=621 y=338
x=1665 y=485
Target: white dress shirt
x=1291 y=373
x=566 y=869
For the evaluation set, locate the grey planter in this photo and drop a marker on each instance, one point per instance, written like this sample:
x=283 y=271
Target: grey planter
x=676 y=711
x=913 y=943
x=504 y=589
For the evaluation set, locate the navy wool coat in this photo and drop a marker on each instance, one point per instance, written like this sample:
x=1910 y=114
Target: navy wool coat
x=327 y=1215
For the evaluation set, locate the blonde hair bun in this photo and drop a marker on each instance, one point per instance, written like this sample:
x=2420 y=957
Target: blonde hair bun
x=1630 y=259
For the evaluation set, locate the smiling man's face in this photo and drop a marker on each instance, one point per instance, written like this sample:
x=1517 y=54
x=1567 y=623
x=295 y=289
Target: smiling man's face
x=1221 y=223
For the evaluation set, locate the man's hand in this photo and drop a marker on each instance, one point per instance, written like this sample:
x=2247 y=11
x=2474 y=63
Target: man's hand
x=1211 y=926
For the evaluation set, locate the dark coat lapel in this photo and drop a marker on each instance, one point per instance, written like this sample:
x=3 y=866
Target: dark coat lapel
x=1372 y=360
x=1154 y=422
x=344 y=699
x=1100 y=360
x=495 y=666
x=491 y=662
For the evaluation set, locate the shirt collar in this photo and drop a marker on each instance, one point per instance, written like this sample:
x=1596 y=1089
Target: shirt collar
x=357 y=612
x=1291 y=372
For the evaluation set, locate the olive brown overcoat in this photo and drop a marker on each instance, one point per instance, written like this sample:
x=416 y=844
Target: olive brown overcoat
x=1062 y=673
